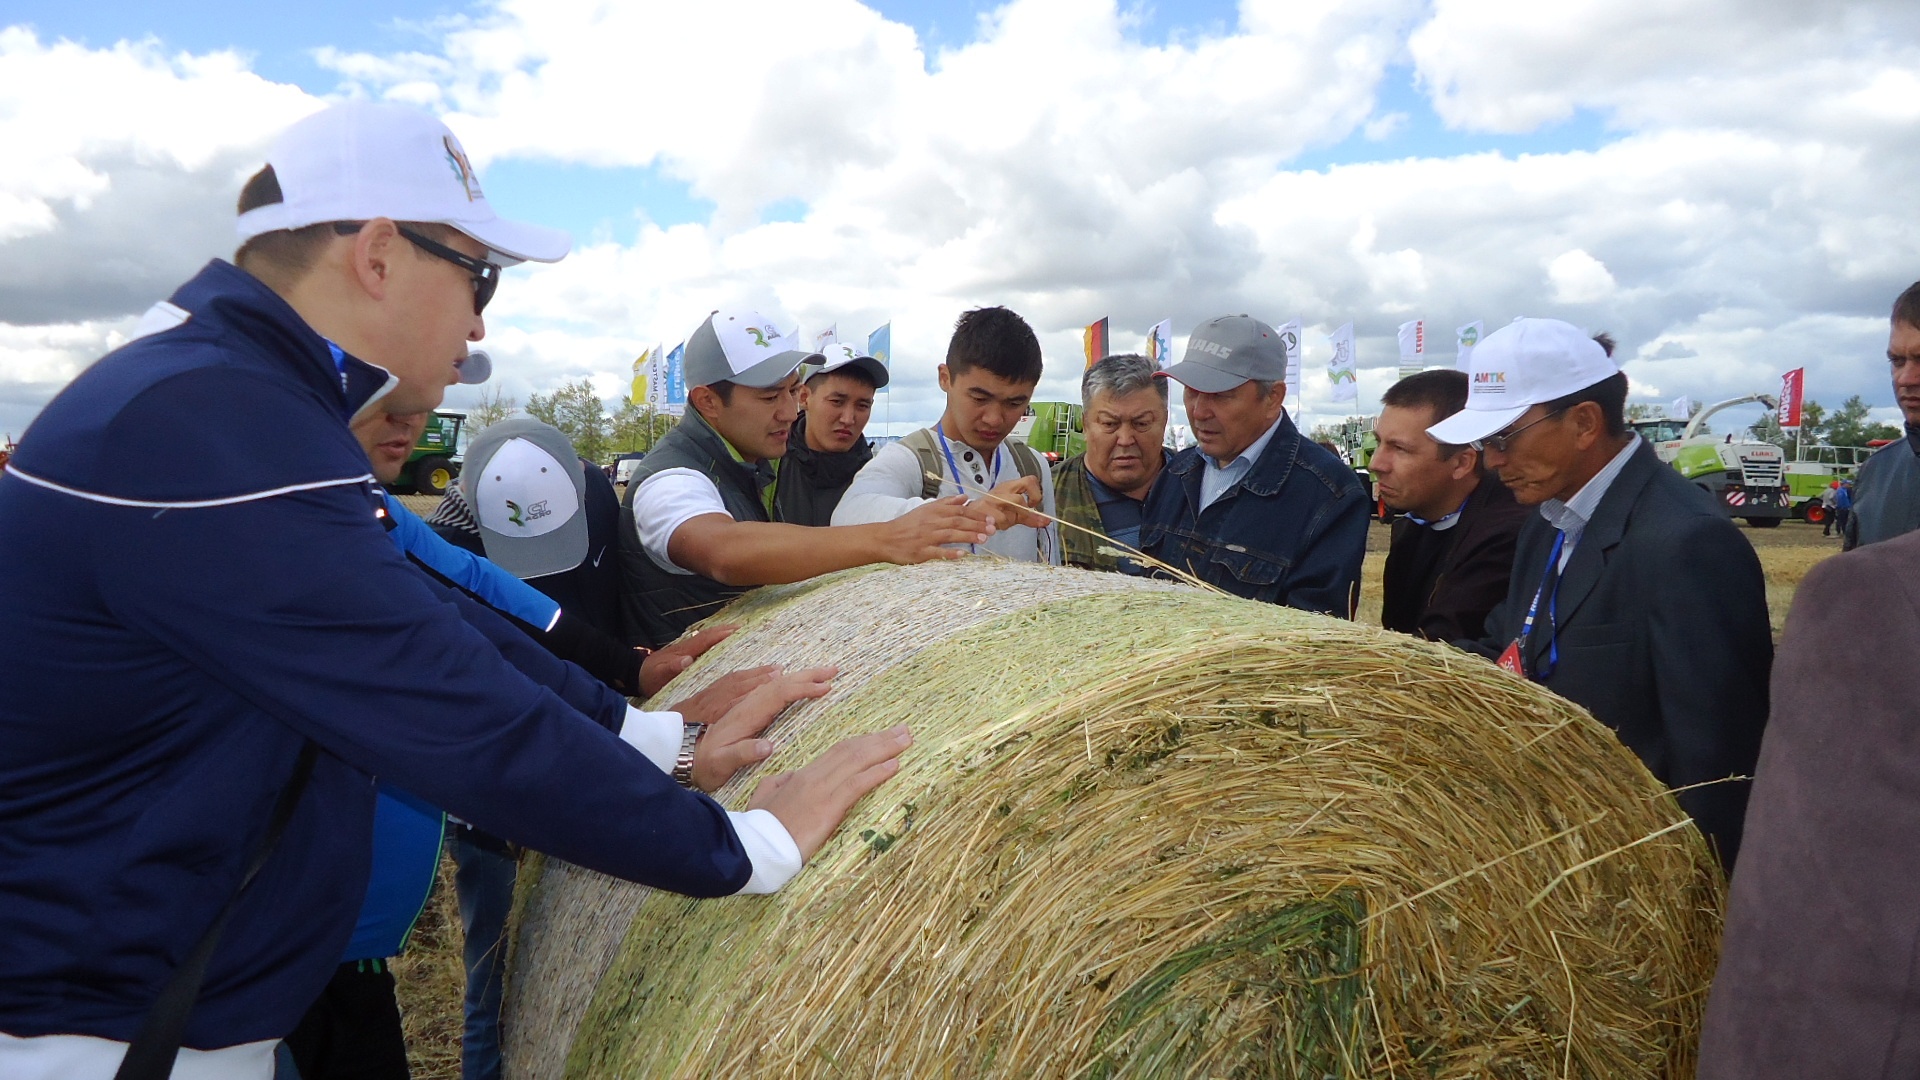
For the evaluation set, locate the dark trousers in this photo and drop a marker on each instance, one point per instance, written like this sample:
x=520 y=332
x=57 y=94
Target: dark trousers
x=353 y=1031
x=483 y=876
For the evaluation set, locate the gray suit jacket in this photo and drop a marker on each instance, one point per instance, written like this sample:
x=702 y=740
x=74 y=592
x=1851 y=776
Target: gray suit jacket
x=1820 y=968
x=1662 y=632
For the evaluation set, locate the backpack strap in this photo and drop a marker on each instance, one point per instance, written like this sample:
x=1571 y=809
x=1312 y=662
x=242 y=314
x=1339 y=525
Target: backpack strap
x=1025 y=458
x=921 y=443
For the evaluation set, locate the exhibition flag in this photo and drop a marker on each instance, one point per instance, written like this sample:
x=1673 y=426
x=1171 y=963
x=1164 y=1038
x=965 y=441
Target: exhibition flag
x=1094 y=339
x=1160 y=344
x=1340 y=366
x=1466 y=338
x=1413 y=347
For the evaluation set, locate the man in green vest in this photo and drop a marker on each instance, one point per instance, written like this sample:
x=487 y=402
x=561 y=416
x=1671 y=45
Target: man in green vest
x=700 y=525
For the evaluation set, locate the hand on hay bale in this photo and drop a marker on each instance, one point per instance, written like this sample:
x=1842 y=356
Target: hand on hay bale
x=733 y=741
x=812 y=800
x=661 y=665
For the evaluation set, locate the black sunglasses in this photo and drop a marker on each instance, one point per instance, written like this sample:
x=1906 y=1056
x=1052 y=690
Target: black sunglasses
x=1499 y=443
x=486 y=275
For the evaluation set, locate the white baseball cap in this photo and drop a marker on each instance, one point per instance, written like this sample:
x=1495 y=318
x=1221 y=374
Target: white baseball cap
x=527 y=493
x=1525 y=363
x=839 y=355
x=358 y=160
x=743 y=348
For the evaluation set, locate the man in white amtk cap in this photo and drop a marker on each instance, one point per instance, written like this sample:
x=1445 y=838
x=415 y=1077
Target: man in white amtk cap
x=1632 y=593
x=213 y=648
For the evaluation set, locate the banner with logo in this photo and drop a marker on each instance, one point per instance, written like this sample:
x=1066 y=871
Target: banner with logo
x=1094 y=340
x=1682 y=408
x=1160 y=344
x=677 y=377
x=1341 y=370
x=1413 y=347
x=1465 y=339
x=657 y=378
x=1290 y=340
x=1791 y=386
x=826 y=337
x=880 y=345
x=642 y=376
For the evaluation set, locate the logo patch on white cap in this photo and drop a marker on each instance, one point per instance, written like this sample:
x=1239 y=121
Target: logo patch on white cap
x=524 y=491
x=462 y=168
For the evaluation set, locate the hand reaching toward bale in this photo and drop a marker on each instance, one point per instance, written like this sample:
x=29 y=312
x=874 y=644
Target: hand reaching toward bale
x=1021 y=497
x=928 y=531
x=813 y=800
x=661 y=665
x=732 y=741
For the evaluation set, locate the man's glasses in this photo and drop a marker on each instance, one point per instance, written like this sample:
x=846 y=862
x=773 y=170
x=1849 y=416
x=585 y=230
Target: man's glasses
x=1499 y=443
x=486 y=275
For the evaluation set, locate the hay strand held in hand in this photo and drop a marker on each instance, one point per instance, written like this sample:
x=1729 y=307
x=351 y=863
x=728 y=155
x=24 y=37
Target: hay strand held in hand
x=1148 y=831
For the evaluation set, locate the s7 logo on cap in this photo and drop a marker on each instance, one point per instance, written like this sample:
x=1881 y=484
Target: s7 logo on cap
x=759 y=336
x=462 y=168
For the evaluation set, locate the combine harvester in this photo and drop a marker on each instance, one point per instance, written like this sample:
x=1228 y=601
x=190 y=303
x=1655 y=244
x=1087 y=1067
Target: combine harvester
x=1748 y=479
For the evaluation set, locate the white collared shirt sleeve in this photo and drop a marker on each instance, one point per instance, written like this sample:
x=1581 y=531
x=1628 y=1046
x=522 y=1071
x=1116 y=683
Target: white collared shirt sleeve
x=769 y=847
x=885 y=488
x=667 y=500
x=657 y=735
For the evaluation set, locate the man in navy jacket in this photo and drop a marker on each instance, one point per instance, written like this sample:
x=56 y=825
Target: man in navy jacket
x=1255 y=509
x=189 y=604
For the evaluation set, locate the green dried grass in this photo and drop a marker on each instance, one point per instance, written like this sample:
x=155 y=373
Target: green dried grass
x=1153 y=833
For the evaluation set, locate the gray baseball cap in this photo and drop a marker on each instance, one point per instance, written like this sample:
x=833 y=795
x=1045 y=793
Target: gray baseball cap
x=742 y=348
x=840 y=355
x=1229 y=350
x=523 y=482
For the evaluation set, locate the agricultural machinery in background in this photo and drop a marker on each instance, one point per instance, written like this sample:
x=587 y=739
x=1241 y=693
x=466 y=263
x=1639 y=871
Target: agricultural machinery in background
x=436 y=458
x=1054 y=428
x=1748 y=479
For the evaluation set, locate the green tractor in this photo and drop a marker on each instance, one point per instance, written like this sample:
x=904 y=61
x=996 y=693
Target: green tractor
x=1055 y=428
x=1818 y=467
x=1747 y=479
x=436 y=457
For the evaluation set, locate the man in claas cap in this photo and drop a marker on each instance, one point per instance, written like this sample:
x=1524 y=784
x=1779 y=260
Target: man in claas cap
x=701 y=524
x=214 y=648
x=1254 y=508
x=1632 y=594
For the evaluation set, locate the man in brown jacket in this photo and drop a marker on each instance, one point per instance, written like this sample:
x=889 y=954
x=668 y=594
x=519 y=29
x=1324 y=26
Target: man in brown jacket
x=1820 y=967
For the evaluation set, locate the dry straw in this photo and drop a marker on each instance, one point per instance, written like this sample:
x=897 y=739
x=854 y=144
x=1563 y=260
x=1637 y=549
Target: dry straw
x=1148 y=831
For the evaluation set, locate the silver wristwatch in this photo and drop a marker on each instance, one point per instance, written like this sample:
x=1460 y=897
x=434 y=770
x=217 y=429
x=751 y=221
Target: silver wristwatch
x=683 y=765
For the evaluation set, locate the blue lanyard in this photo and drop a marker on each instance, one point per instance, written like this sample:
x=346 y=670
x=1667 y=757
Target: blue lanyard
x=1553 y=611
x=339 y=363
x=954 y=467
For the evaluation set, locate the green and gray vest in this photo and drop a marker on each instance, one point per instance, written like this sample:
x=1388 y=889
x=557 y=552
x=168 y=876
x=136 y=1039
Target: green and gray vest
x=658 y=605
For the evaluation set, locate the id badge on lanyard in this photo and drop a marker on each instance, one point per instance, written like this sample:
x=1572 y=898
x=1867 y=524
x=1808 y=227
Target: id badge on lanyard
x=1511 y=658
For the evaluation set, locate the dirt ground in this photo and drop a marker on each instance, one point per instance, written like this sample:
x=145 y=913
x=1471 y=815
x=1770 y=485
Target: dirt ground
x=430 y=974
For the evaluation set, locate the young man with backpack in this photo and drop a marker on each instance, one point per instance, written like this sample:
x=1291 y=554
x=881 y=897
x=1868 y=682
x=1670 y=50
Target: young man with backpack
x=992 y=367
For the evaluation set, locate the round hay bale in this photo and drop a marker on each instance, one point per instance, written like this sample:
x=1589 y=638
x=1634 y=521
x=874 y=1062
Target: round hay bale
x=1150 y=831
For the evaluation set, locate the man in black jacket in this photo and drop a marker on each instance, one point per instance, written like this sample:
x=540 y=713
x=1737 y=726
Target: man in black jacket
x=828 y=443
x=1452 y=551
x=1886 y=495
x=1631 y=593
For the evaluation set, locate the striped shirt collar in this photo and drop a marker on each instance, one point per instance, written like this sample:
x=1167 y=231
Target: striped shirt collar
x=1571 y=517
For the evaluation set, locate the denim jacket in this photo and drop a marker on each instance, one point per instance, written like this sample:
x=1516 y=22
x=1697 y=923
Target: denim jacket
x=1292 y=531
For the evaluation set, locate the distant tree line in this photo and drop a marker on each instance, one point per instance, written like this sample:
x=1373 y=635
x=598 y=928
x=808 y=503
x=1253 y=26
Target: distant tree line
x=1849 y=425
x=580 y=414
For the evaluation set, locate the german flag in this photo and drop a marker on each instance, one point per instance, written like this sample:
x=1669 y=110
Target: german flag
x=1094 y=338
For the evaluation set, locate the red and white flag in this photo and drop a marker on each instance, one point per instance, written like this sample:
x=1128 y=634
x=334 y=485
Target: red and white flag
x=1792 y=386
